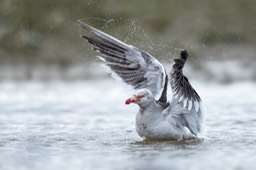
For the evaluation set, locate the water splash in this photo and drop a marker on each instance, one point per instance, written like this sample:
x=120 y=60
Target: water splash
x=133 y=31
x=105 y=21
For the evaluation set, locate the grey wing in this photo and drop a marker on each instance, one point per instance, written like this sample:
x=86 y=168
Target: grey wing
x=134 y=66
x=185 y=98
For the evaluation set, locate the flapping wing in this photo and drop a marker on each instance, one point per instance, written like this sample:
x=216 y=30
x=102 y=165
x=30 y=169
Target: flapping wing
x=185 y=97
x=134 y=66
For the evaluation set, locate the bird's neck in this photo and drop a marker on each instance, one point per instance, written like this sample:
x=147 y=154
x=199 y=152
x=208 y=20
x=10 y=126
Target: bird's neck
x=150 y=108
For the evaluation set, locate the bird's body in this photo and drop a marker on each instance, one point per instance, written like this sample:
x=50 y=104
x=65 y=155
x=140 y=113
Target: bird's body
x=154 y=125
x=155 y=122
x=181 y=118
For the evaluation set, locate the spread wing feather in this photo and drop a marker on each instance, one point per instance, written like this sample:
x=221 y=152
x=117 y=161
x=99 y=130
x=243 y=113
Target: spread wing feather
x=134 y=66
x=186 y=98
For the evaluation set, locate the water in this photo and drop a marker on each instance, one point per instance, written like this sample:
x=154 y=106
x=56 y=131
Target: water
x=85 y=125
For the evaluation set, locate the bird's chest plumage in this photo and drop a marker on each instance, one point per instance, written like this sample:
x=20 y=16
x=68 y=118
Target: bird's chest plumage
x=154 y=126
x=142 y=126
x=145 y=125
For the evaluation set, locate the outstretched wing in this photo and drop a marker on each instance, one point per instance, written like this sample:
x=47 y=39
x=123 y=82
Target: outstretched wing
x=134 y=66
x=185 y=97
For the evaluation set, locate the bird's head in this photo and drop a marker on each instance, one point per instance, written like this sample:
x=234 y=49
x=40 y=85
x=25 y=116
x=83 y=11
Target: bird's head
x=142 y=97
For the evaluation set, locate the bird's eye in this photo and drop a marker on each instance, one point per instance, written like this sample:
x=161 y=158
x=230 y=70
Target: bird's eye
x=141 y=96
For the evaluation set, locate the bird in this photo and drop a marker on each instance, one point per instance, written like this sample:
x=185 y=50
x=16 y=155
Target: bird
x=180 y=118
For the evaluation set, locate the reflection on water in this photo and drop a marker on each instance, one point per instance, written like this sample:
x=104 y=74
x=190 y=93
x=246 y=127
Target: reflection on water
x=85 y=125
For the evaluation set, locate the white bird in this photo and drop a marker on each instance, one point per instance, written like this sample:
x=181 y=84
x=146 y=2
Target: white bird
x=178 y=119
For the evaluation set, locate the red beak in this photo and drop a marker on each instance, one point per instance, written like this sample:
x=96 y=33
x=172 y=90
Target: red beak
x=132 y=100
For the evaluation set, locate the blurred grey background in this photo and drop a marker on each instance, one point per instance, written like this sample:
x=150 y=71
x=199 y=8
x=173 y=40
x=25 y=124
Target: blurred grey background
x=40 y=40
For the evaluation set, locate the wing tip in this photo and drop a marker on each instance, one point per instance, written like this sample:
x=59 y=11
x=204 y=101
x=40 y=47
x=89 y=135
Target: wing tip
x=84 y=25
x=83 y=36
x=184 y=55
x=179 y=62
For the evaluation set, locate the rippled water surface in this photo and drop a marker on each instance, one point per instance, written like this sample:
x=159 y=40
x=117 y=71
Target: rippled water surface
x=85 y=125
